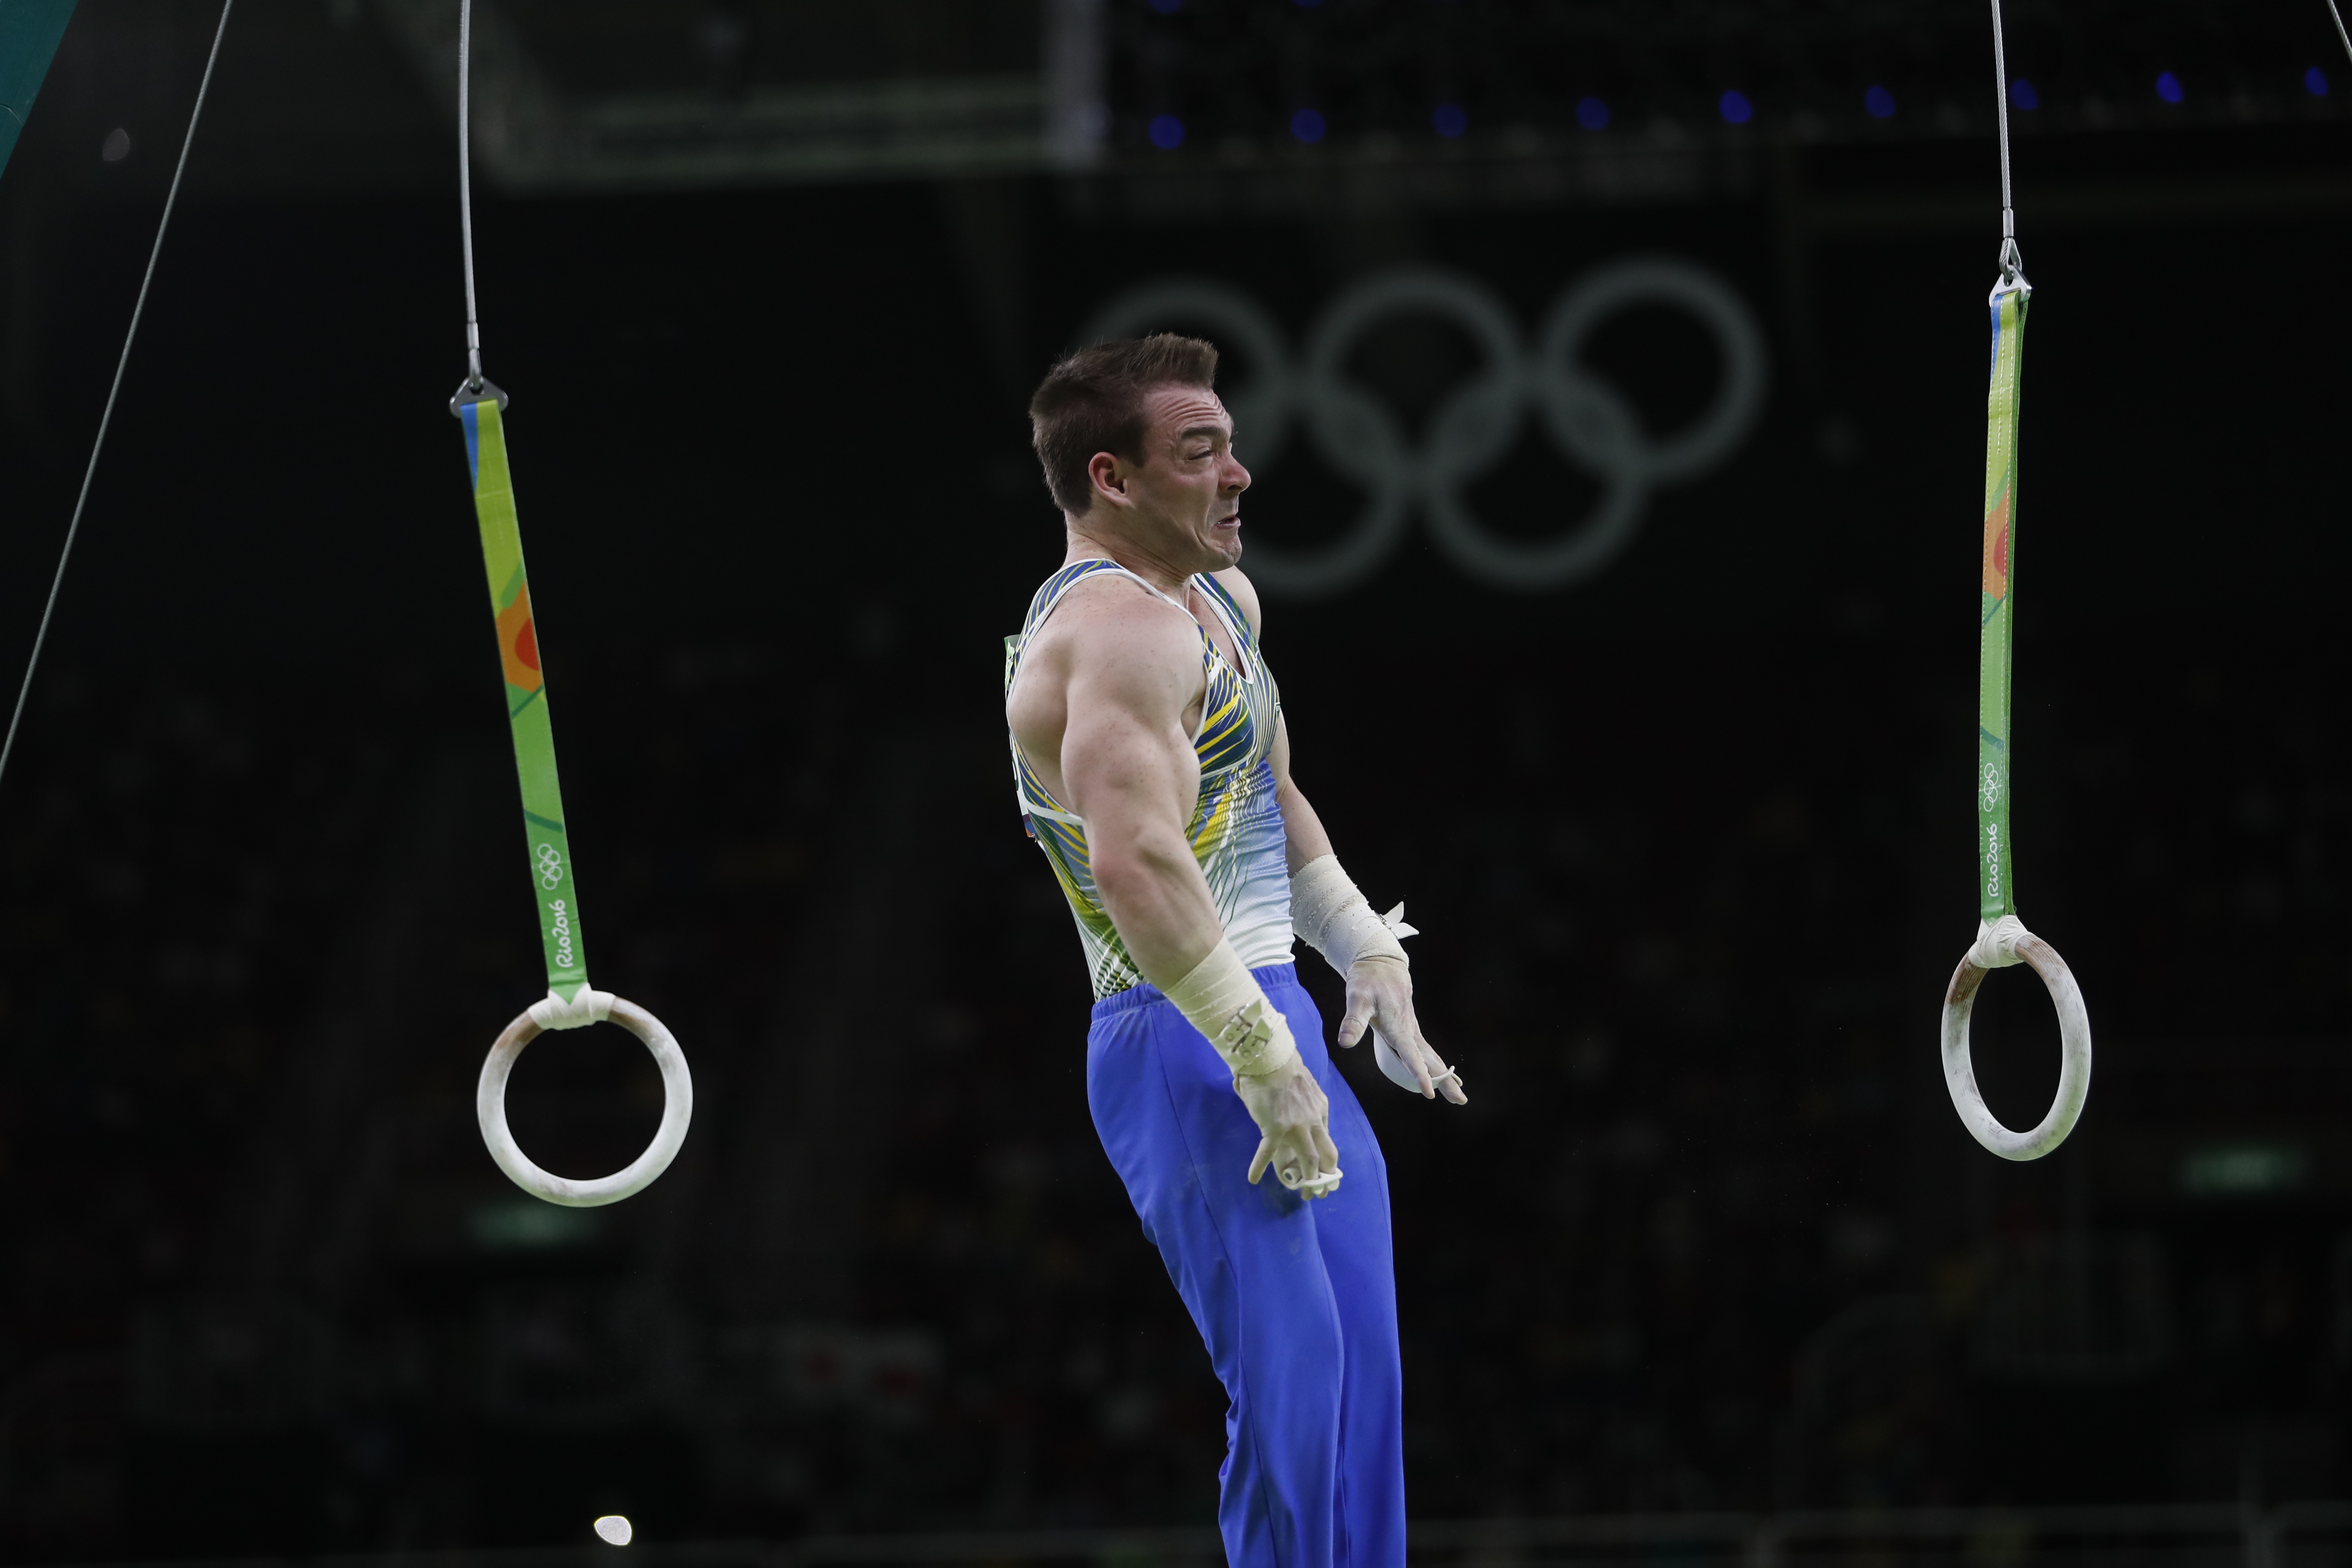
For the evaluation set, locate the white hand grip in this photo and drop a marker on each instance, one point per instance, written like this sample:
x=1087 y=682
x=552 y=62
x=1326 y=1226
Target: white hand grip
x=677 y=1109
x=2075 y=1068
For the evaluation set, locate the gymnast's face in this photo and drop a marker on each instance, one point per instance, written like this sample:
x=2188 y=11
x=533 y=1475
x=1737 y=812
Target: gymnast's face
x=1183 y=501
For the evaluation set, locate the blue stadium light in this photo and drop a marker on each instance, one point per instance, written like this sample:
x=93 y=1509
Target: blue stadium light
x=1880 y=102
x=1735 y=108
x=2314 y=82
x=1449 y=120
x=1593 y=114
x=2168 y=86
x=2021 y=94
x=1308 y=126
x=1166 y=131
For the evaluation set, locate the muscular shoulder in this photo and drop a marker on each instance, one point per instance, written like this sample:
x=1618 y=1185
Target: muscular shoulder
x=1235 y=582
x=1117 y=643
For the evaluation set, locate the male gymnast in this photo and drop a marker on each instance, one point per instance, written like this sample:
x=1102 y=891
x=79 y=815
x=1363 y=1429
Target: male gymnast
x=1154 y=770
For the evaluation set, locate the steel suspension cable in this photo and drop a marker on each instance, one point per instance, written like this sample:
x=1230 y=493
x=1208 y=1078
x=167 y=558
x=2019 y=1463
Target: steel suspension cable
x=2344 y=38
x=73 y=528
x=2013 y=265
x=465 y=188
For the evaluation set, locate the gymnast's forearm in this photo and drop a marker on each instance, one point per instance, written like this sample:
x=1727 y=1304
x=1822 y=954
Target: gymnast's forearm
x=1153 y=890
x=1305 y=838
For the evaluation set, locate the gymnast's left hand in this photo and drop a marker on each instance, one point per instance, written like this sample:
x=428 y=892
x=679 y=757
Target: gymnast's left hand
x=1380 y=996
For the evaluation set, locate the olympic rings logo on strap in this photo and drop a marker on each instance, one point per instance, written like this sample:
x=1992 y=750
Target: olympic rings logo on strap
x=1474 y=428
x=550 y=866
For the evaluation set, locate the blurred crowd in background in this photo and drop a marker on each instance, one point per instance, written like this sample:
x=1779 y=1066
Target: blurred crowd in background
x=1707 y=1235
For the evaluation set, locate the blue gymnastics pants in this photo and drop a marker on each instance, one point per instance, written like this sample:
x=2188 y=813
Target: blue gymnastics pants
x=1295 y=1299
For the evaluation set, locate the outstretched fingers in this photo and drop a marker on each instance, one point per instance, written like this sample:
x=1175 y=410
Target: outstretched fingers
x=1401 y=1027
x=1406 y=1031
x=1429 y=1068
x=1447 y=1081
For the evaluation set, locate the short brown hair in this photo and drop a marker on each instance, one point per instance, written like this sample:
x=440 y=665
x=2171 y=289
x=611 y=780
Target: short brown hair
x=1092 y=401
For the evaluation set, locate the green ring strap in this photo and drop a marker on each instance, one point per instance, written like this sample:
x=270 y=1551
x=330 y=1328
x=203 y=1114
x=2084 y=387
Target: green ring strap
x=551 y=875
x=1996 y=852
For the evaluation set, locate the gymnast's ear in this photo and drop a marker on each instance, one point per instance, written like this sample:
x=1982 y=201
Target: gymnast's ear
x=1106 y=475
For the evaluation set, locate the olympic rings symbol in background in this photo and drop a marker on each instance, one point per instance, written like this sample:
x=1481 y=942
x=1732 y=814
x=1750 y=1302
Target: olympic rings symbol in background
x=1589 y=421
x=550 y=866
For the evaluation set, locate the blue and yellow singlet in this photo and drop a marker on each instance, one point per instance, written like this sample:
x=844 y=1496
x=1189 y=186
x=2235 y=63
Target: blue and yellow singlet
x=1236 y=829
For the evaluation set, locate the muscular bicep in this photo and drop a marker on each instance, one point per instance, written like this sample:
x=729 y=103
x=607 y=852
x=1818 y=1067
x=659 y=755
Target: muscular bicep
x=1126 y=760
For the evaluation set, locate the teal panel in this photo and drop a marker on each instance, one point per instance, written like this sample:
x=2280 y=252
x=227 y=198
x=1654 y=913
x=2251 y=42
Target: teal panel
x=29 y=31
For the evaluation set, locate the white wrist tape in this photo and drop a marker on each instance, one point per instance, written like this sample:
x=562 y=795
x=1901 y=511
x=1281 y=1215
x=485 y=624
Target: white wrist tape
x=1222 y=1000
x=587 y=1007
x=1336 y=921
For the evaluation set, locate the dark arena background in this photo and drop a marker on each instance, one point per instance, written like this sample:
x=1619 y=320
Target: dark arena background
x=1707 y=1272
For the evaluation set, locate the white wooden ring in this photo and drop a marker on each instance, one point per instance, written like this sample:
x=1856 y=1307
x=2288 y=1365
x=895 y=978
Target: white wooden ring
x=677 y=1109
x=2074 y=1064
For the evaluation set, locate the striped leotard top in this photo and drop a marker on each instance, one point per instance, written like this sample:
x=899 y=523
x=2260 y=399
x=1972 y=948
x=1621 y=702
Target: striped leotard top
x=1236 y=830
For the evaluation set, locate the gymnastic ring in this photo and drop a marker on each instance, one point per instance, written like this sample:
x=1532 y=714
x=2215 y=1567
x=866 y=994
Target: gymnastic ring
x=677 y=1109
x=2074 y=1068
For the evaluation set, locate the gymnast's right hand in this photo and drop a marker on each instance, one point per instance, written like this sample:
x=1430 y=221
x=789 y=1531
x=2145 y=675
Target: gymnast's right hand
x=1294 y=1119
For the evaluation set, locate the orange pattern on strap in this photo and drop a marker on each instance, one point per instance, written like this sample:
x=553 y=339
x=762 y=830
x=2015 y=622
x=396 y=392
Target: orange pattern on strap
x=518 y=644
x=1996 y=553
